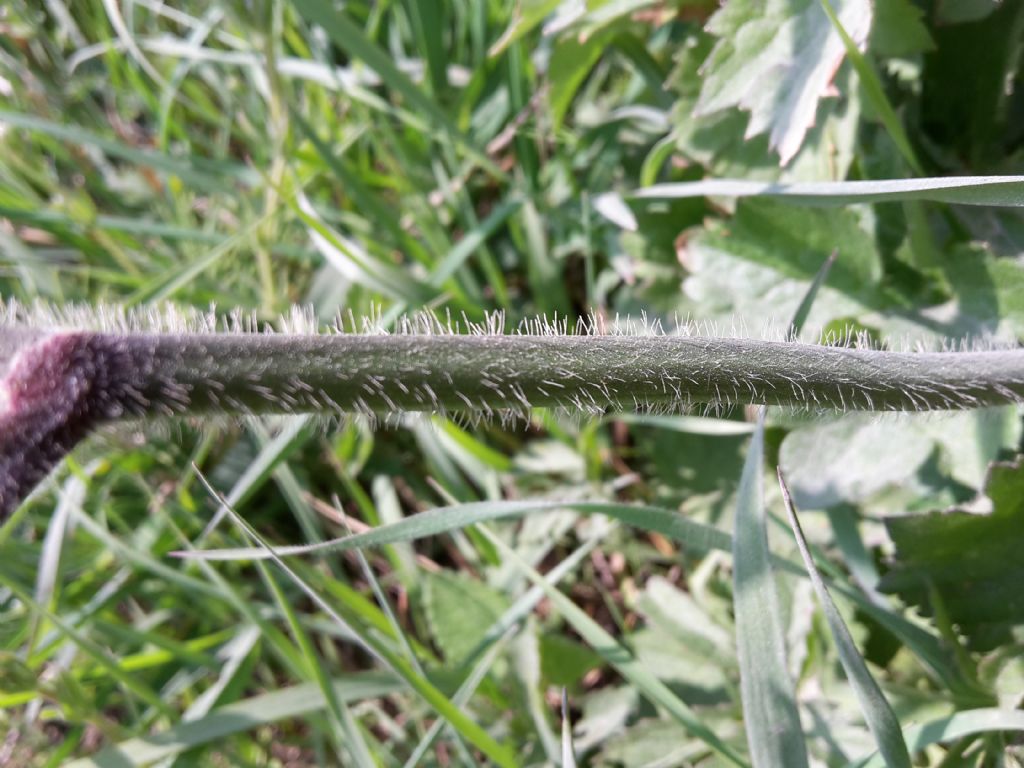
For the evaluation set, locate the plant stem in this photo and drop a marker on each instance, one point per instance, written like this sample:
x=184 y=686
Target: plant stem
x=56 y=386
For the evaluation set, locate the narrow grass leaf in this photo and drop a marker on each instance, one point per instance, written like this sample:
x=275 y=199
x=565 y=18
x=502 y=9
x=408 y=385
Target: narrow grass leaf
x=165 y=285
x=428 y=23
x=472 y=240
x=296 y=432
x=344 y=727
x=203 y=173
x=87 y=646
x=769 y=704
x=382 y=601
x=355 y=264
x=957 y=726
x=446 y=519
x=460 y=698
x=288 y=703
x=369 y=204
x=568 y=757
x=1003 y=191
x=882 y=721
x=465 y=726
x=71 y=497
x=350 y=38
x=620 y=657
x=874 y=90
x=230 y=661
x=800 y=316
x=529 y=14
x=855 y=555
x=696 y=537
x=694 y=425
x=486 y=651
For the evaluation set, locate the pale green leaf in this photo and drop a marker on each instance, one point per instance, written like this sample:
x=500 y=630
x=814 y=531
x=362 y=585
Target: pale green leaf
x=769 y=703
x=956 y=726
x=776 y=61
x=882 y=721
x=960 y=190
x=287 y=703
x=621 y=658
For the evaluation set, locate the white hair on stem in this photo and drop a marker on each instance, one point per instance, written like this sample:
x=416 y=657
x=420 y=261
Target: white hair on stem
x=65 y=371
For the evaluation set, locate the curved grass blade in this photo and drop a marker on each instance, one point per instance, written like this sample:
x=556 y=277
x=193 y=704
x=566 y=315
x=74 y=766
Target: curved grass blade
x=881 y=720
x=486 y=651
x=446 y=519
x=294 y=702
x=874 y=90
x=1000 y=191
x=350 y=38
x=769 y=703
x=696 y=537
x=199 y=172
x=620 y=657
x=466 y=726
x=956 y=726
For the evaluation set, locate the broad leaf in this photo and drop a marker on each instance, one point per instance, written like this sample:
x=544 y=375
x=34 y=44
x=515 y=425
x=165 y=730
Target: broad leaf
x=718 y=141
x=459 y=611
x=776 y=62
x=899 y=30
x=956 y=726
x=855 y=457
x=968 y=558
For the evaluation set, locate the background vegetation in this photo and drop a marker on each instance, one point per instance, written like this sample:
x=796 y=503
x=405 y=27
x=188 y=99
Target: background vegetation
x=390 y=156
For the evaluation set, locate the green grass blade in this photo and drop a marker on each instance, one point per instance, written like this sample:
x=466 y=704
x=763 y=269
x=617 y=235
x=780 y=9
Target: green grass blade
x=206 y=174
x=497 y=634
x=353 y=262
x=472 y=240
x=881 y=720
x=165 y=285
x=620 y=657
x=350 y=38
x=92 y=649
x=363 y=198
x=956 y=726
x=696 y=537
x=874 y=90
x=446 y=519
x=529 y=14
x=568 y=758
x=1000 y=191
x=428 y=22
x=230 y=667
x=800 y=316
x=769 y=704
x=287 y=703
x=465 y=726
x=275 y=452
x=344 y=727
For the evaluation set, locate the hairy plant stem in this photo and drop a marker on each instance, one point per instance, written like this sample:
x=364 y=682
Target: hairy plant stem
x=58 y=385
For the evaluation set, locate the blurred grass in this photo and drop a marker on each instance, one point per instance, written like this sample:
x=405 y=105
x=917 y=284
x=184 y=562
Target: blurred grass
x=393 y=156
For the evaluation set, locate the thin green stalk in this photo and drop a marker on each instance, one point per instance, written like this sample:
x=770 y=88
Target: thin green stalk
x=57 y=385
